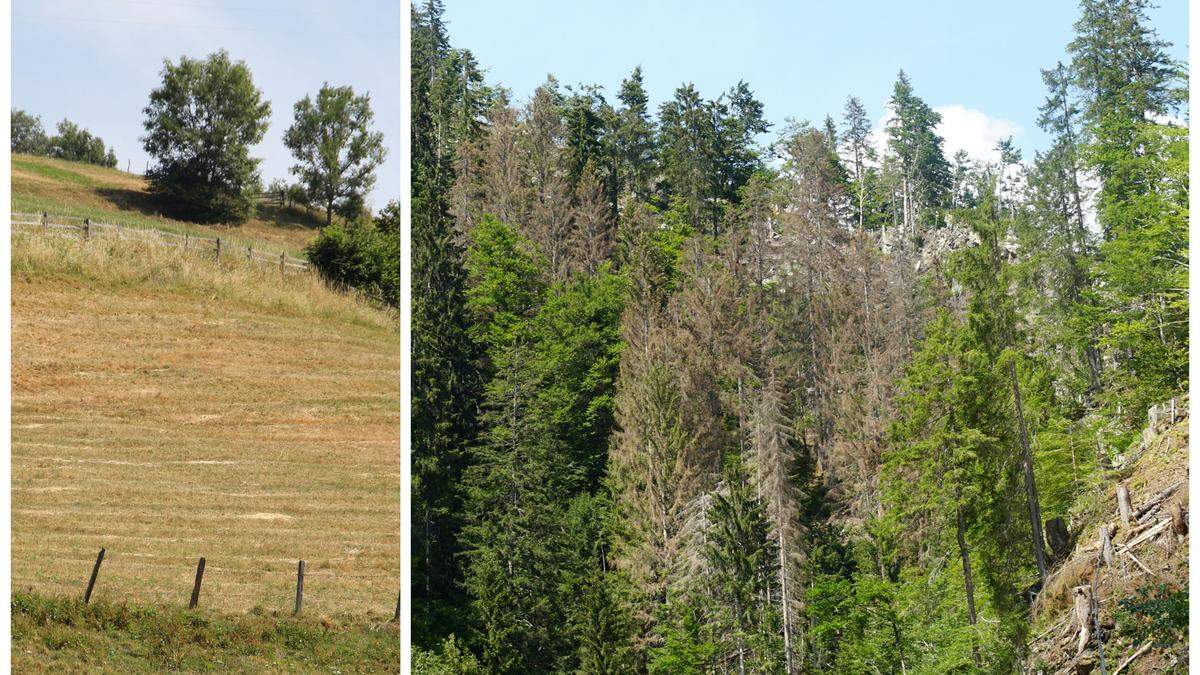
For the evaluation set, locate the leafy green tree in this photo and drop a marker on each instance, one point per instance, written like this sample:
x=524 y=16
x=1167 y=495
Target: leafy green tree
x=79 y=145
x=547 y=410
x=743 y=558
x=200 y=124
x=708 y=151
x=739 y=120
x=689 y=644
x=335 y=149
x=507 y=283
x=27 y=134
x=586 y=123
x=1138 y=302
x=938 y=469
x=1141 y=295
x=362 y=253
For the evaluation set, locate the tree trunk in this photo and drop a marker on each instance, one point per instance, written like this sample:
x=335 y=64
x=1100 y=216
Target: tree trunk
x=1123 y=505
x=783 y=593
x=1035 y=508
x=968 y=579
x=328 y=213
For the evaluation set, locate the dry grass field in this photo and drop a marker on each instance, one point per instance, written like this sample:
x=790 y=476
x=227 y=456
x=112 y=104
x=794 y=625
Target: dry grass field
x=167 y=409
x=110 y=195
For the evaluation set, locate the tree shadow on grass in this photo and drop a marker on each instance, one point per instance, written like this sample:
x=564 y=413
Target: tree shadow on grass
x=290 y=217
x=133 y=200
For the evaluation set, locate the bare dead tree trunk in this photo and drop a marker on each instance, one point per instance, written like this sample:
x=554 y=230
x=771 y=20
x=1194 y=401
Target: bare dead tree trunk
x=783 y=592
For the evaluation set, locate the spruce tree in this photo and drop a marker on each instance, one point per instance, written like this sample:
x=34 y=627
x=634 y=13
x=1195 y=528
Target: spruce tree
x=924 y=171
x=445 y=378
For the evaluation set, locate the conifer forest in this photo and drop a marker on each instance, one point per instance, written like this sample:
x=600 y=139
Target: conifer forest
x=697 y=393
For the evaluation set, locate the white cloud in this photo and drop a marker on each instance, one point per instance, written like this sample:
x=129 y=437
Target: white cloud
x=961 y=128
x=972 y=130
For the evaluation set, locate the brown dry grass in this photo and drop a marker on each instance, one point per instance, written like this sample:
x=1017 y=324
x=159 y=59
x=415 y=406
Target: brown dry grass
x=111 y=195
x=166 y=409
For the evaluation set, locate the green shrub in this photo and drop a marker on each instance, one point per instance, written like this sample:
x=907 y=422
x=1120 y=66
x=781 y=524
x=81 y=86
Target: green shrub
x=1158 y=613
x=362 y=254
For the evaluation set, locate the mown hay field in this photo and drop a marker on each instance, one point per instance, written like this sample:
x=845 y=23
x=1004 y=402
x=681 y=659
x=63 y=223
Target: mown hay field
x=165 y=408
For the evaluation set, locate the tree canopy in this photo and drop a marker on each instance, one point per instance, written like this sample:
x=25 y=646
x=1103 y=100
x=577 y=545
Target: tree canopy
x=200 y=125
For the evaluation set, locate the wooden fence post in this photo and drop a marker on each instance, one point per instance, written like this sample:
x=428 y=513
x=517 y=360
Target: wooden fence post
x=282 y=263
x=87 y=595
x=249 y=255
x=218 y=249
x=299 y=586
x=45 y=219
x=87 y=228
x=186 y=238
x=399 y=597
x=196 y=588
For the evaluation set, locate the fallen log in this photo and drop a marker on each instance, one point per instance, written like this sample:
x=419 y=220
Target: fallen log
x=1154 y=501
x=1138 y=528
x=1148 y=534
x=1106 y=547
x=1179 y=524
x=1083 y=610
x=1139 y=563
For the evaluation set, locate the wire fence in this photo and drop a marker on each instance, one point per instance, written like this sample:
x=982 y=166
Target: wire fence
x=86 y=228
x=302 y=572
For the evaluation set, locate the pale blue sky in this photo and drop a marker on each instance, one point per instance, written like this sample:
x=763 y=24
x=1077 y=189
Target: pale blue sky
x=95 y=62
x=977 y=61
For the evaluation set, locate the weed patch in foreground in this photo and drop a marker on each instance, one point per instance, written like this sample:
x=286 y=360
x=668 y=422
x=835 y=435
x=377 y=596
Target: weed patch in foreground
x=64 y=635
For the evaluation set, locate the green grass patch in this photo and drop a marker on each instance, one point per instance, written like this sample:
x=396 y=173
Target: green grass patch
x=51 y=171
x=64 y=635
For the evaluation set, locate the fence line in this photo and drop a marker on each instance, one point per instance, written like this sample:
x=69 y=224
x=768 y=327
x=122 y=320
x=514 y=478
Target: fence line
x=85 y=228
x=299 y=575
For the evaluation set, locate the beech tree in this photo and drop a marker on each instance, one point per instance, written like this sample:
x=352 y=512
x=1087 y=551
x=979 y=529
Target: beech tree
x=200 y=124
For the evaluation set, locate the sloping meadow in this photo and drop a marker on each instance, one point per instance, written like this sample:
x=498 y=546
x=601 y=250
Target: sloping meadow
x=166 y=408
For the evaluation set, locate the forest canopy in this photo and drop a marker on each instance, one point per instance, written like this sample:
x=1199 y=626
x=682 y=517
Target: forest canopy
x=693 y=393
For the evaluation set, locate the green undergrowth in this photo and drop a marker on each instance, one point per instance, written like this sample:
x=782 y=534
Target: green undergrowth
x=64 y=635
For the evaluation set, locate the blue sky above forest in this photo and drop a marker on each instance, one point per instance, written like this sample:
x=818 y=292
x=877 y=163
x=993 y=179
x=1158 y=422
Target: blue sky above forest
x=976 y=62
x=95 y=62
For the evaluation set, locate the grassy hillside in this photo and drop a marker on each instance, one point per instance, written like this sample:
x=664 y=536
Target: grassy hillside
x=167 y=408
x=56 y=636
x=110 y=195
